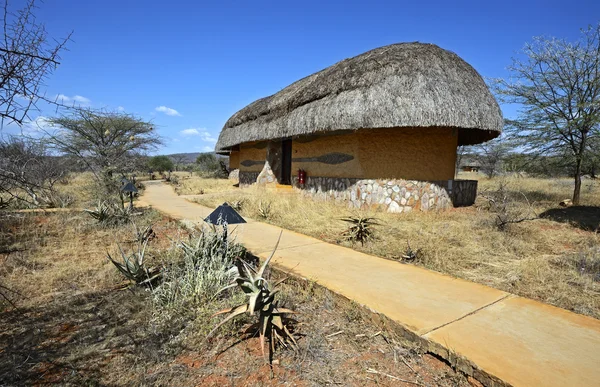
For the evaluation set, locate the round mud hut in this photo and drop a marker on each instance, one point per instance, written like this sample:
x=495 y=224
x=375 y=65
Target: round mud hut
x=379 y=129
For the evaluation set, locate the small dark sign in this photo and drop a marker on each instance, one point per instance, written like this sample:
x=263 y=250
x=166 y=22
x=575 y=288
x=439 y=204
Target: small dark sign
x=224 y=214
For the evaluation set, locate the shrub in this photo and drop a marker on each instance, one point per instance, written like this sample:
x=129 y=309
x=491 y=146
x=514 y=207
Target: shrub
x=361 y=229
x=411 y=255
x=265 y=209
x=203 y=266
x=110 y=214
x=239 y=204
x=506 y=209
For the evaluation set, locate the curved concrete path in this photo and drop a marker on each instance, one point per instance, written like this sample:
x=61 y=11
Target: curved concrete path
x=486 y=332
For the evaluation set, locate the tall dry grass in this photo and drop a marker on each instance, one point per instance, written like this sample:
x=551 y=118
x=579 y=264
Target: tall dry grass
x=199 y=185
x=539 y=259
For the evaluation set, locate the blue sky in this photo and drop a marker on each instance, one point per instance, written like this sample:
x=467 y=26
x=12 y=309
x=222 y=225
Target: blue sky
x=189 y=65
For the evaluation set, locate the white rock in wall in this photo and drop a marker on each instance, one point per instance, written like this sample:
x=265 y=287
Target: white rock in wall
x=394 y=208
x=425 y=202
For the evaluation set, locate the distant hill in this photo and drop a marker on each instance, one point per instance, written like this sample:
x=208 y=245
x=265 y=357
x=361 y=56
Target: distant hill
x=189 y=158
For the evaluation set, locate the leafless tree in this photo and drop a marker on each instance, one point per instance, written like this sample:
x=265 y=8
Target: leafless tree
x=179 y=160
x=558 y=86
x=28 y=173
x=490 y=156
x=461 y=152
x=27 y=57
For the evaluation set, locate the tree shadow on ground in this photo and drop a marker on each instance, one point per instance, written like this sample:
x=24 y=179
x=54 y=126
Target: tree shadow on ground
x=584 y=217
x=71 y=338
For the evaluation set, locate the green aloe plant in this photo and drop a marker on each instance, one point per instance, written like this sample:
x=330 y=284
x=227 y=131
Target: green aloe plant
x=261 y=300
x=133 y=266
x=102 y=213
x=361 y=228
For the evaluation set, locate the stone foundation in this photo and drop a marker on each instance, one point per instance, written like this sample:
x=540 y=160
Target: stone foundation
x=247 y=178
x=394 y=195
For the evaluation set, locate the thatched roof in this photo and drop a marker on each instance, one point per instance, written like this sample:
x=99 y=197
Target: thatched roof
x=401 y=85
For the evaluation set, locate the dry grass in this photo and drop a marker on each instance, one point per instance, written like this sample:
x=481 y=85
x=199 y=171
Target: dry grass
x=74 y=326
x=197 y=185
x=528 y=259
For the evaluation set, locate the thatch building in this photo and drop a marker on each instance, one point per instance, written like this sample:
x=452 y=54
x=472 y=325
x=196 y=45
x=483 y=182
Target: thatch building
x=380 y=128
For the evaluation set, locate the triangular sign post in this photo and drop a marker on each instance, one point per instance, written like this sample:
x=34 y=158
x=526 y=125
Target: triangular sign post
x=224 y=215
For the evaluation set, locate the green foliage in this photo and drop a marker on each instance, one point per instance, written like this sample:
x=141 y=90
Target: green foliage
x=260 y=299
x=209 y=165
x=107 y=143
x=160 y=164
x=108 y=214
x=361 y=229
x=102 y=213
x=133 y=266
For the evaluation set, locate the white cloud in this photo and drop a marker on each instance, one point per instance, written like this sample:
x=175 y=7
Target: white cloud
x=208 y=149
x=120 y=109
x=40 y=124
x=74 y=100
x=200 y=132
x=190 y=132
x=167 y=110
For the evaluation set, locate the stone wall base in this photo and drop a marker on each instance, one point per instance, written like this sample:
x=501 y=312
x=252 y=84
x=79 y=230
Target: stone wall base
x=393 y=195
x=247 y=178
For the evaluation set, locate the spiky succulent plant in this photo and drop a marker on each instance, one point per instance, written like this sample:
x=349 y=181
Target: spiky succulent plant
x=134 y=267
x=361 y=228
x=102 y=213
x=260 y=300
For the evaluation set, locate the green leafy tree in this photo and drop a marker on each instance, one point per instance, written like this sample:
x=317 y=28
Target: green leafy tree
x=108 y=143
x=209 y=164
x=558 y=86
x=160 y=164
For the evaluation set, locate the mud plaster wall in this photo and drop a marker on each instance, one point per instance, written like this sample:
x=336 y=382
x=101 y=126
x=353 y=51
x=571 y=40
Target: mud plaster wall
x=234 y=160
x=413 y=154
x=251 y=152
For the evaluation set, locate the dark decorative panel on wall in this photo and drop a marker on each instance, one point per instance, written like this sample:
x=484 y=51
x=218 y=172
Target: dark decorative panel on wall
x=329 y=158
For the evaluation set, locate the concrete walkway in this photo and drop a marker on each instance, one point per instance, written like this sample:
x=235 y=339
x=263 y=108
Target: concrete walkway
x=486 y=332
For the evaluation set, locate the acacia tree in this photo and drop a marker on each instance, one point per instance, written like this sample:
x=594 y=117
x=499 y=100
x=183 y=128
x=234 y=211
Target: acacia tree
x=108 y=143
x=558 y=86
x=160 y=163
x=27 y=57
x=179 y=160
x=491 y=155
